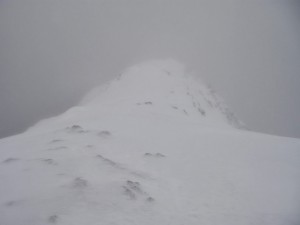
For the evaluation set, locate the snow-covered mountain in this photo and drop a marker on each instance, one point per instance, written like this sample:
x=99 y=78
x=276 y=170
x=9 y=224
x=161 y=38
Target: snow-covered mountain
x=154 y=146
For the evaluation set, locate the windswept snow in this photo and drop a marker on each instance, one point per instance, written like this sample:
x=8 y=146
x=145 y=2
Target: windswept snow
x=154 y=146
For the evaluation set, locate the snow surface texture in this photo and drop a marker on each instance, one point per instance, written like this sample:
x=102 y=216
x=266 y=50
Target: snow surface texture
x=152 y=147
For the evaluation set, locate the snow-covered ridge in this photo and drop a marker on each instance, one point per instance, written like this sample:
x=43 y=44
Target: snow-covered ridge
x=163 y=87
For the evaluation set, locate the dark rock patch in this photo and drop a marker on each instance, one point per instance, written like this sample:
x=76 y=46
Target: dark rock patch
x=79 y=182
x=133 y=190
x=104 y=133
x=49 y=161
x=108 y=161
x=57 y=148
x=76 y=129
x=12 y=203
x=56 y=141
x=53 y=219
x=156 y=155
x=201 y=111
x=10 y=160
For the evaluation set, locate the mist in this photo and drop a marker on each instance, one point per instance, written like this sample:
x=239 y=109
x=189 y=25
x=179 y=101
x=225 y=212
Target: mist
x=53 y=52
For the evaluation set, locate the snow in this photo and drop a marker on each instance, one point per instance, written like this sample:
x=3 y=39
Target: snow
x=139 y=151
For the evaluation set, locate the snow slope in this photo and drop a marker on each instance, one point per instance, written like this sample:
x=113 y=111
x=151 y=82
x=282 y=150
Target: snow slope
x=154 y=146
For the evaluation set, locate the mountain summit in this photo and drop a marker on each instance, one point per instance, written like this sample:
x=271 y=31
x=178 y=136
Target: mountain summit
x=154 y=146
x=161 y=88
x=164 y=87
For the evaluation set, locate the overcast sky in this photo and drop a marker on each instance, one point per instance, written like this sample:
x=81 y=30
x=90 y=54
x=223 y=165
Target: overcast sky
x=53 y=51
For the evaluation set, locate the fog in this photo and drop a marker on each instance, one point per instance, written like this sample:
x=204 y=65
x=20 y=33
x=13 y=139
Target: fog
x=53 y=51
